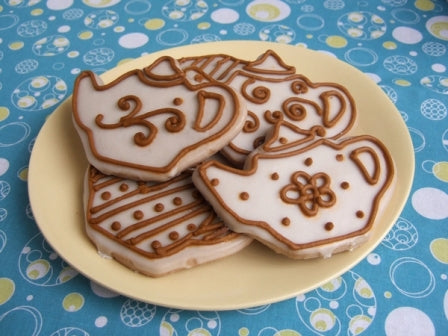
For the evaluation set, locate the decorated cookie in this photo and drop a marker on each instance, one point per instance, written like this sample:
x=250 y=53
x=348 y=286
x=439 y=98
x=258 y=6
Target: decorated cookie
x=303 y=201
x=275 y=92
x=155 y=228
x=152 y=124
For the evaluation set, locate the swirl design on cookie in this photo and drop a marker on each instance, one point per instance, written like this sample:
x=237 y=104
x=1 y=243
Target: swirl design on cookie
x=271 y=87
x=174 y=118
x=133 y=103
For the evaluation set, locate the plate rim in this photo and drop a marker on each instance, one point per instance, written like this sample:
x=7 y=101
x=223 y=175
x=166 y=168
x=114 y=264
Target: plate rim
x=229 y=47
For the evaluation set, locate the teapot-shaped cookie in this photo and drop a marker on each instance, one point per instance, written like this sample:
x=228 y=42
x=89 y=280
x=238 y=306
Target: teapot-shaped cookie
x=153 y=123
x=305 y=200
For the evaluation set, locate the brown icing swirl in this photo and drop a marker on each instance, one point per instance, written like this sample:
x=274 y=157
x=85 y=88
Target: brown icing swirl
x=133 y=103
x=258 y=95
x=252 y=123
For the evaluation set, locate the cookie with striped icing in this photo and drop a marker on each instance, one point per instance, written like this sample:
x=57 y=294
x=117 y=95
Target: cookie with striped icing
x=155 y=228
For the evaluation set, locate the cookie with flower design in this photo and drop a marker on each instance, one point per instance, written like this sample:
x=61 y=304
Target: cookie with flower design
x=303 y=201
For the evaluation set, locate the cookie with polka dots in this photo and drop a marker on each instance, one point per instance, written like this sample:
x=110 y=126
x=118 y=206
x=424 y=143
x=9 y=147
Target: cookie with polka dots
x=155 y=228
x=303 y=201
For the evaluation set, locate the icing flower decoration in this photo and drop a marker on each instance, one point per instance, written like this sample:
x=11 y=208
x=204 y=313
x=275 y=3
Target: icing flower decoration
x=309 y=192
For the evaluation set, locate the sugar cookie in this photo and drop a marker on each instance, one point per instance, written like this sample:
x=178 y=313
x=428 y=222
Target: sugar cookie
x=307 y=201
x=155 y=228
x=153 y=123
x=275 y=92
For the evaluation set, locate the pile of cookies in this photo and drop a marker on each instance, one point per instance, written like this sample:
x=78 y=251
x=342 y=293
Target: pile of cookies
x=193 y=158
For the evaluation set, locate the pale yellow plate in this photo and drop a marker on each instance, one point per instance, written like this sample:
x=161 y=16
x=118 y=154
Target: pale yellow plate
x=255 y=276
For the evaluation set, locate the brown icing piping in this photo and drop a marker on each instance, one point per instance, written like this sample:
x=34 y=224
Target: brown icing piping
x=207 y=231
x=252 y=167
x=147 y=76
x=313 y=192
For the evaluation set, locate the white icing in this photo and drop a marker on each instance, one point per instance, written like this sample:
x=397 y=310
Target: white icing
x=264 y=204
x=190 y=144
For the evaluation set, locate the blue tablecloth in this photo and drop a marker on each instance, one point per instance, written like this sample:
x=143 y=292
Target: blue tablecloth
x=401 y=44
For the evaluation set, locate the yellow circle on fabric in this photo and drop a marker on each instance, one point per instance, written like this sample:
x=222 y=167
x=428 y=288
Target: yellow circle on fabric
x=85 y=35
x=390 y=45
x=154 y=24
x=26 y=101
x=23 y=174
x=287 y=332
x=336 y=41
x=243 y=332
x=440 y=29
x=387 y=294
x=73 y=302
x=439 y=249
x=73 y=54
x=264 y=12
x=322 y=319
x=7 y=288
x=38 y=269
x=402 y=82
x=200 y=332
x=440 y=170
x=424 y=5
x=4 y=113
x=37 y=12
x=16 y=45
x=204 y=25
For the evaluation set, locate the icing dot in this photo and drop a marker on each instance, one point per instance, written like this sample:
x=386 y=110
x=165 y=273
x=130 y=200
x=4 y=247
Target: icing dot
x=178 y=101
x=308 y=161
x=156 y=244
x=283 y=140
x=345 y=185
x=198 y=78
x=275 y=176
x=359 y=214
x=329 y=226
x=286 y=221
x=174 y=235
x=339 y=157
x=244 y=196
x=124 y=187
x=177 y=201
x=115 y=226
x=214 y=182
x=138 y=214
x=159 y=207
x=105 y=195
x=191 y=227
